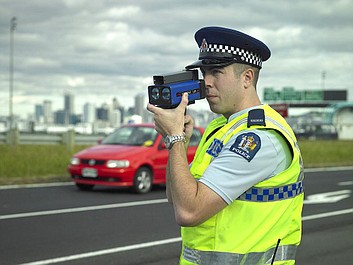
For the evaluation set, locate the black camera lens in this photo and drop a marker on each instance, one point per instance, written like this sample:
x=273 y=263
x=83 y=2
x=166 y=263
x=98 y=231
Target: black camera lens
x=155 y=93
x=166 y=93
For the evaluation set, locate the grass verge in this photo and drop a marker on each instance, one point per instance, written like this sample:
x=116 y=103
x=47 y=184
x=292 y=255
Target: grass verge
x=326 y=153
x=24 y=164
x=34 y=163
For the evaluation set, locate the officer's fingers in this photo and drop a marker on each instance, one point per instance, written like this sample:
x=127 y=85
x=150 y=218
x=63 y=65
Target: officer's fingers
x=188 y=120
x=184 y=101
x=185 y=98
x=152 y=108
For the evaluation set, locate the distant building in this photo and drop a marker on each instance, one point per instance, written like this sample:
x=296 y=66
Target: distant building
x=140 y=106
x=116 y=104
x=47 y=112
x=115 y=118
x=60 y=117
x=89 y=113
x=69 y=103
x=69 y=107
x=342 y=119
x=103 y=113
x=38 y=113
x=75 y=118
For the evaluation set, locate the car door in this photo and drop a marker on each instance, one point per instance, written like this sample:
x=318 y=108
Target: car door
x=159 y=161
x=194 y=143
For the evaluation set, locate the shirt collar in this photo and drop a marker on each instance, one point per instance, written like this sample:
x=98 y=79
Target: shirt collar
x=237 y=114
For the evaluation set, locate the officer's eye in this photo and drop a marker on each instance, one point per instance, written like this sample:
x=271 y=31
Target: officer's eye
x=216 y=71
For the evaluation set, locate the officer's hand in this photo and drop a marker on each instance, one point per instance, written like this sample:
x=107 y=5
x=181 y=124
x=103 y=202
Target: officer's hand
x=170 y=121
x=188 y=126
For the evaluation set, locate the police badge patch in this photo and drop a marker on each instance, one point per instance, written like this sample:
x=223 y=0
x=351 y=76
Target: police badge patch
x=246 y=145
x=215 y=148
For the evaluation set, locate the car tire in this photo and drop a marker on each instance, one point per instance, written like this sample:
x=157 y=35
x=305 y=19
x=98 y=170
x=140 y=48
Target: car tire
x=143 y=180
x=85 y=187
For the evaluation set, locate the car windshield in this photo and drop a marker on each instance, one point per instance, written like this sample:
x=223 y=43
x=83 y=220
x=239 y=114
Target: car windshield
x=132 y=135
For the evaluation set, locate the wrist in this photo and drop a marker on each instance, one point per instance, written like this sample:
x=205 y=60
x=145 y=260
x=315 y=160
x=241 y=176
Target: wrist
x=178 y=147
x=170 y=140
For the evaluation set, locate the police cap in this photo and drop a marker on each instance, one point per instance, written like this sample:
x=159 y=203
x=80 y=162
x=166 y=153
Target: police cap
x=222 y=46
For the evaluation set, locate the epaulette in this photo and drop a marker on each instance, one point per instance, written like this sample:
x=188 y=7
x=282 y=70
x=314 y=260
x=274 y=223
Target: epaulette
x=256 y=117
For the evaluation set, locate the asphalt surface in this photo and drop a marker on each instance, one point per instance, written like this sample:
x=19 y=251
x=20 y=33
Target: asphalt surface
x=62 y=225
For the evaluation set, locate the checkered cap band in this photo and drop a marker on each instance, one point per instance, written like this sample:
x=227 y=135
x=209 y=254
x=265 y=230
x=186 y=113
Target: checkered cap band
x=245 y=56
x=272 y=194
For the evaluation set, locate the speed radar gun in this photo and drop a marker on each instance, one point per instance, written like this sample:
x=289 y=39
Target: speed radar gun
x=168 y=89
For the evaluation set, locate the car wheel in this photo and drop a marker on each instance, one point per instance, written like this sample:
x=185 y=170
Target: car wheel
x=143 y=180
x=84 y=186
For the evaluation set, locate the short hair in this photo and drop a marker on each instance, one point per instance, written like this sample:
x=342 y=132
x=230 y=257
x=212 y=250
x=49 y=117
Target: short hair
x=241 y=68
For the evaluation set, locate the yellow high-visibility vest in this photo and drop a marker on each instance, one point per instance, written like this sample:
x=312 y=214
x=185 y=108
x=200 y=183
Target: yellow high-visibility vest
x=264 y=220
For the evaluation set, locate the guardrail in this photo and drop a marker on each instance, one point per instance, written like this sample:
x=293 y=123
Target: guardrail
x=69 y=138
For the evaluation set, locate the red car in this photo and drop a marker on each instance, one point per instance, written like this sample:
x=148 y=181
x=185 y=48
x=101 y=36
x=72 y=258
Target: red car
x=133 y=156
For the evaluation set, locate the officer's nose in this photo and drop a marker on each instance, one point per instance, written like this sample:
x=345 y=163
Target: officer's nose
x=208 y=80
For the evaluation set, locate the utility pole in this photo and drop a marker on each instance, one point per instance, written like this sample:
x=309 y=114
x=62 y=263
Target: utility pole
x=12 y=30
x=323 y=76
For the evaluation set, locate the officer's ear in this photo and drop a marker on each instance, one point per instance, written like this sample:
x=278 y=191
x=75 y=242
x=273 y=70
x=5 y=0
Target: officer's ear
x=248 y=76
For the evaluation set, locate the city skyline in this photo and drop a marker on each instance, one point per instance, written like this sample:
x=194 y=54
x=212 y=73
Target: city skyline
x=129 y=102
x=90 y=111
x=142 y=98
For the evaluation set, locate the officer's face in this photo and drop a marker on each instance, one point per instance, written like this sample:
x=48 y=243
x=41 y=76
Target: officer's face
x=223 y=87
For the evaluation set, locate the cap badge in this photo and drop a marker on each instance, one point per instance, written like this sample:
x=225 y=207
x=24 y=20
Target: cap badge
x=204 y=46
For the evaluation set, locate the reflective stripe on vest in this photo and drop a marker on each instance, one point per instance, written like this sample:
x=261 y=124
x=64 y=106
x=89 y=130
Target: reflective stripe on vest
x=286 y=252
x=272 y=194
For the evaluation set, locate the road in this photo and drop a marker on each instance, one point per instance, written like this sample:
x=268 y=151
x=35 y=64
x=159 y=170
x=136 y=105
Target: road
x=61 y=225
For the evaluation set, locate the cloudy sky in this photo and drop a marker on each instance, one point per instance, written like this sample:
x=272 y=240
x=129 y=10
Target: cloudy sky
x=102 y=49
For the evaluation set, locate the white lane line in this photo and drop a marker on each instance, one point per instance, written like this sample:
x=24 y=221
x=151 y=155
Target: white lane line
x=345 y=183
x=327 y=169
x=83 y=209
x=105 y=251
x=38 y=185
x=329 y=214
x=154 y=243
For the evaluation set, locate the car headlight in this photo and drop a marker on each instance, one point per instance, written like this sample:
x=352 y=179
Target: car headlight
x=74 y=161
x=118 y=163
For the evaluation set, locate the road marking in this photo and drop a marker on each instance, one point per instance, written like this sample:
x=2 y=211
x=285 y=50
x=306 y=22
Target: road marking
x=154 y=243
x=345 y=183
x=324 y=169
x=105 y=251
x=83 y=209
x=38 y=185
x=329 y=214
x=328 y=197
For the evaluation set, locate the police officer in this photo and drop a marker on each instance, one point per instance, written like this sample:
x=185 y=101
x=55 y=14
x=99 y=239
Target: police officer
x=240 y=201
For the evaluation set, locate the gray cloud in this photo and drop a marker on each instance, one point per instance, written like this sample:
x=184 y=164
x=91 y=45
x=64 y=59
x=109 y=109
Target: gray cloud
x=102 y=49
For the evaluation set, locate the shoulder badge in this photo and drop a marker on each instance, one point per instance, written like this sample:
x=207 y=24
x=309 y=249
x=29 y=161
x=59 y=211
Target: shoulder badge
x=246 y=145
x=256 y=117
x=215 y=148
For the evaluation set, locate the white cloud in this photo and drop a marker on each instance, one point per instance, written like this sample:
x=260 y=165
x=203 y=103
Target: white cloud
x=102 y=49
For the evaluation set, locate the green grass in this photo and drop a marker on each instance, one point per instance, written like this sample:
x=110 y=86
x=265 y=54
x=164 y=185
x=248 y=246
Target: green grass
x=34 y=163
x=327 y=153
x=48 y=163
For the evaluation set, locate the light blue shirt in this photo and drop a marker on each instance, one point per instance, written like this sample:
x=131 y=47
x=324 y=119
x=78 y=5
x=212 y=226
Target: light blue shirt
x=230 y=174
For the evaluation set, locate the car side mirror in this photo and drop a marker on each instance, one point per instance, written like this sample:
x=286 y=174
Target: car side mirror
x=162 y=145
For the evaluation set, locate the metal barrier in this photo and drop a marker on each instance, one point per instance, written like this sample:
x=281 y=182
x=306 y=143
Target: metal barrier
x=69 y=138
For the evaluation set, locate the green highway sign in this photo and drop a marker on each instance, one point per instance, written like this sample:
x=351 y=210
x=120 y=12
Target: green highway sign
x=314 y=95
x=290 y=94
